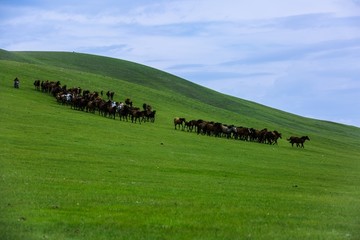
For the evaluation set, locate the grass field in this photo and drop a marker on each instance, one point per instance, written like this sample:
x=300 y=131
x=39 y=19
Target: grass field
x=68 y=174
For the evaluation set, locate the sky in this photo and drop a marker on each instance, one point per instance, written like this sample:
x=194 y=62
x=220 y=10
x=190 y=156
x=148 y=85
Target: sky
x=299 y=56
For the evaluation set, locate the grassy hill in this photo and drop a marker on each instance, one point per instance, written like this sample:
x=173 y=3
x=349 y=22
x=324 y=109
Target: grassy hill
x=68 y=174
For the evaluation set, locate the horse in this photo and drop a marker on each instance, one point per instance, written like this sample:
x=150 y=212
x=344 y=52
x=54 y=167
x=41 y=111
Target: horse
x=112 y=109
x=147 y=107
x=201 y=125
x=136 y=115
x=103 y=107
x=209 y=128
x=243 y=133
x=298 y=140
x=64 y=98
x=272 y=137
x=229 y=130
x=37 y=85
x=189 y=125
x=76 y=103
x=110 y=95
x=91 y=106
x=128 y=102
x=261 y=135
x=180 y=122
x=151 y=116
x=16 y=83
x=124 y=111
x=217 y=129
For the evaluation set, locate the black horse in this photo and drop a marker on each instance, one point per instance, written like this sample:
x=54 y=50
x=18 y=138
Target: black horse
x=110 y=95
x=299 y=141
x=128 y=102
x=37 y=85
x=16 y=83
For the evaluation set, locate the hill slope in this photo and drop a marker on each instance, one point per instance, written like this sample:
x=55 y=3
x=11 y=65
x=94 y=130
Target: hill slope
x=248 y=112
x=71 y=174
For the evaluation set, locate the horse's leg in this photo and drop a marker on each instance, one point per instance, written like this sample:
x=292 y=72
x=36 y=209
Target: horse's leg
x=228 y=135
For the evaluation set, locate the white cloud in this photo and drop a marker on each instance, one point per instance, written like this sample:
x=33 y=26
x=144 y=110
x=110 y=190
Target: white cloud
x=171 y=12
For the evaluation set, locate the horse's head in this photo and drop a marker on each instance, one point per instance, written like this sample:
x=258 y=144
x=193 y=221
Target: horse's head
x=277 y=134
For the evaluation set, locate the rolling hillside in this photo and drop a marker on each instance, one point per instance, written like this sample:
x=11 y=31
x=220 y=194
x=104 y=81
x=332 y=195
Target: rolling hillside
x=158 y=80
x=68 y=174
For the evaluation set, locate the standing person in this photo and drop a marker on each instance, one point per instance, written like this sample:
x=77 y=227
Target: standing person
x=16 y=83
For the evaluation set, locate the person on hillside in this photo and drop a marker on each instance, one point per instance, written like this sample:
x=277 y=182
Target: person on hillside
x=16 y=83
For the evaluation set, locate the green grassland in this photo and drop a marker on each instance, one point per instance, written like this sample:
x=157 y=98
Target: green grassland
x=68 y=174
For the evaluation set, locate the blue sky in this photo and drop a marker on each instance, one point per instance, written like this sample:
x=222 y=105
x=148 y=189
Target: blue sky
x=300 y=56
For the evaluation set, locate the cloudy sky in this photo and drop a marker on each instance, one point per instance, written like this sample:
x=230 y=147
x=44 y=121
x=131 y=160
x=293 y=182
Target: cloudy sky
x=300 y=56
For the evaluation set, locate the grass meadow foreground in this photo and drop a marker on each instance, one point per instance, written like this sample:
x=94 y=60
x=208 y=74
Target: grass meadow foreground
x=68 y=174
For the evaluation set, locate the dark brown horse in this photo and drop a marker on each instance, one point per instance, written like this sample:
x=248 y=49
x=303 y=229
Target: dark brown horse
x=149 y=115
x=272 y=137
x=201 y=126
x=137 y=115
x=243 y=133
x=180 y=122
x=91 y=106
x=299 y=141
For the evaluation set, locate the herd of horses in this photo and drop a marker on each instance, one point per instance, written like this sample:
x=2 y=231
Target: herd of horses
x=217 y=129
x=86 y=100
